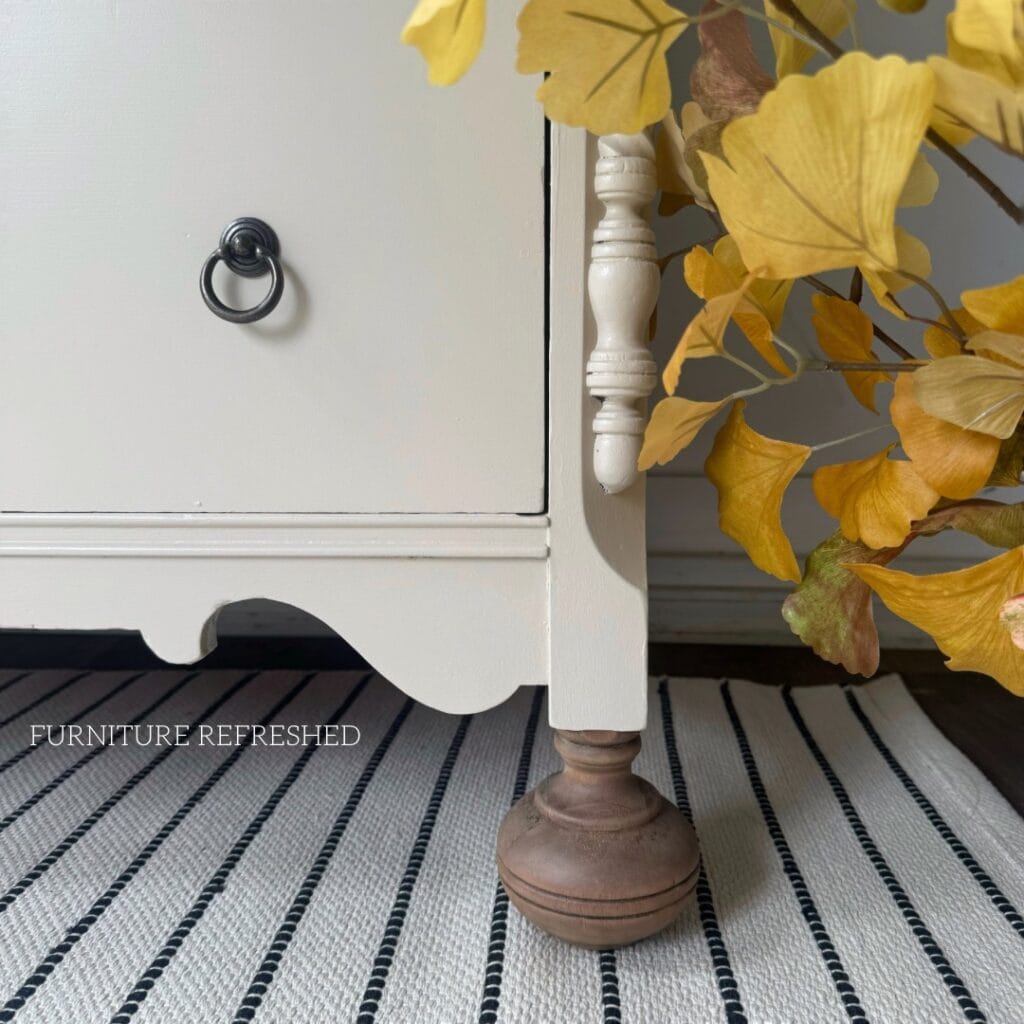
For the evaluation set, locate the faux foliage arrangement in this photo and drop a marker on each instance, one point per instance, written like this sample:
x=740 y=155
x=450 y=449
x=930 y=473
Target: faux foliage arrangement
x=804 y=174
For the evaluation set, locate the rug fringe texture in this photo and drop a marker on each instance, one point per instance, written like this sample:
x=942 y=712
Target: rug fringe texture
x=855 y=866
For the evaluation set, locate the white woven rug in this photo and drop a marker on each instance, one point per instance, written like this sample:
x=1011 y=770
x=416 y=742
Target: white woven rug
x=856 y=866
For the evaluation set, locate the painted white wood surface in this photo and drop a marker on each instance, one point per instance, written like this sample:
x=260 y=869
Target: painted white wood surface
x=623 y=284
x=403 y=370
x=597 y=568
x=457 y=610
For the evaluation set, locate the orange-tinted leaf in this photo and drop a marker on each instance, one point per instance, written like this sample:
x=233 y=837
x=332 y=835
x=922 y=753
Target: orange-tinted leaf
x=875 y=499
x=751 y=473
x=956 y=462
x=999 y=308
x=939 y=343
x=845 y=334
x=831 y=608
x=961 y=611
x=674 y=423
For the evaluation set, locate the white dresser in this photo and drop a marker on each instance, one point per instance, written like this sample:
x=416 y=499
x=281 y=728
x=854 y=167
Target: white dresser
x=404 y=446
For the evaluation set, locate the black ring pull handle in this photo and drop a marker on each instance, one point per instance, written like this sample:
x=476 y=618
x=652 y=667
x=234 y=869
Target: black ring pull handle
x=248 y=247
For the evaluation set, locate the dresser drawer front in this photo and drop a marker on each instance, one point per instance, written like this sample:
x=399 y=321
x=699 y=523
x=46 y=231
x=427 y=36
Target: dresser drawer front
x=403 y=370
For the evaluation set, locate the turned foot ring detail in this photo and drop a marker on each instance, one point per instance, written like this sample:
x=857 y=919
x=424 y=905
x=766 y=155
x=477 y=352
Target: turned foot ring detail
x=595 y=854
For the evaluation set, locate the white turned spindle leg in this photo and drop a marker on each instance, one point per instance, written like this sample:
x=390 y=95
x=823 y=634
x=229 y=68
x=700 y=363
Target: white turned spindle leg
x=623 y=284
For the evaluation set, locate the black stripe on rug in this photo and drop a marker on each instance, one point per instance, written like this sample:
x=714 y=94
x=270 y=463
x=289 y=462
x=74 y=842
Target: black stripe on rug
x=45 y=968
x=950 y=978
x=610 y=1005
x=267 y=971
x=87 y=824
x=74 y=720
x=14 y=679
x=400 y=908
x=728 y=986
x=495 y=968
x=808 y=908
x=43 y=698
x=58 y=780
x=218 y=881
x=956 y=844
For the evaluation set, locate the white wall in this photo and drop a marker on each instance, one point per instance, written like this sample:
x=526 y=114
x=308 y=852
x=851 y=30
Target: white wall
x=702 y=586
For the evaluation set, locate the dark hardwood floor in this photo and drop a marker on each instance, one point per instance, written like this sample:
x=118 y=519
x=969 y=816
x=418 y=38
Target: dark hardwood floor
x=985 y=721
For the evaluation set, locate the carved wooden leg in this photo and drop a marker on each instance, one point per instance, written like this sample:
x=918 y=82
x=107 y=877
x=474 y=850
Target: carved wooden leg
x=595 y=854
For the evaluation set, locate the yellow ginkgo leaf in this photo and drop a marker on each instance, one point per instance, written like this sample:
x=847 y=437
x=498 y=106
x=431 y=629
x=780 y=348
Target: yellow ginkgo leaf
x=770 y=296
x=449 y=34
x=791 y=54
x=995 y=26
x=972 y=392
x=703 y=337
x=676 y=185
x=939 y=342
x=975 y=103
x=921 y=185
x=954 y=461
x=875 y=499
x=706 y=275
x=961 y=611
x=912 y=256
x=751 y=473
x=811 y=181
x=606 y=60
x=845 y=334
x=1000 y=346
x=757 y=307
x=674 y=423
x=999 y=308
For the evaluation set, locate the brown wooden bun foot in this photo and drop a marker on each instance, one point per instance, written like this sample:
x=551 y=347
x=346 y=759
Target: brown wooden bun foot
x=595 y=854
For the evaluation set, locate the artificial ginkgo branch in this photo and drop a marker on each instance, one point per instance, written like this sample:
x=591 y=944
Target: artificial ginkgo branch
x=971 y=169
x=803 y=174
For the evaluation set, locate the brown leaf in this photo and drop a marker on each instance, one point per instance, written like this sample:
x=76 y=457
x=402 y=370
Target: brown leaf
x=727 y=79
x=831 y=608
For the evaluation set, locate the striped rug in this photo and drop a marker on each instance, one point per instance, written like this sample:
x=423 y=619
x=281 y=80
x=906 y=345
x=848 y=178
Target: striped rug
x=855 y=866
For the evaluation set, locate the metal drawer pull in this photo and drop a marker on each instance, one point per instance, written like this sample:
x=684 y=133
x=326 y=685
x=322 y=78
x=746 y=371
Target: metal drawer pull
x=248 y=247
